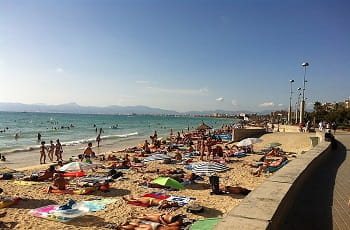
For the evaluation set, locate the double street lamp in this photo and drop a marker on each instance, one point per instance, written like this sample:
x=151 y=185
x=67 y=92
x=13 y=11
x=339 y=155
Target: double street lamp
x=302 y=105
x=290 y=103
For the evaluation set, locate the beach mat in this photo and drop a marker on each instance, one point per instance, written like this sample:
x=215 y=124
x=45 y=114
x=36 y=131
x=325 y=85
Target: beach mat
x=25 y=183
x=206 y=224
x=97 y=205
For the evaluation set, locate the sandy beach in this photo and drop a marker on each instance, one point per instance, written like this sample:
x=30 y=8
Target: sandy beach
x=214 y=205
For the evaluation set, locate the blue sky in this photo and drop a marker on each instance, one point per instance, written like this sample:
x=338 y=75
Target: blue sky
x=180 y=55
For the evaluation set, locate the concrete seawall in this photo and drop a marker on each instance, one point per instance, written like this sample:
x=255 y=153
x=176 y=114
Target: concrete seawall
x=239 y=134
x=267 y=206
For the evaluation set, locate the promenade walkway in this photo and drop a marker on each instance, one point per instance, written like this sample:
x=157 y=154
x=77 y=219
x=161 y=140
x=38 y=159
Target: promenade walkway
x=323 y=201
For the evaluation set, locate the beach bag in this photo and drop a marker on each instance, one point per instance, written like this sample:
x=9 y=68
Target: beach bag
x=7 y=176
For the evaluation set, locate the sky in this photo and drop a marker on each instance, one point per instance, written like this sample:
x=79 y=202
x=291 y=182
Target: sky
x=181 y=55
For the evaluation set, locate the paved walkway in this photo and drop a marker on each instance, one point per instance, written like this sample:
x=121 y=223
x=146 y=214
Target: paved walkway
x=323 y=201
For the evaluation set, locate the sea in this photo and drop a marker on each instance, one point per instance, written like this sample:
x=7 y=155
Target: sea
x=75 y=130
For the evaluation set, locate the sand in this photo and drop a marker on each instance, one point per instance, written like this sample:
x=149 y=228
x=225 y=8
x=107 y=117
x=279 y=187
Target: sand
x=215 y=205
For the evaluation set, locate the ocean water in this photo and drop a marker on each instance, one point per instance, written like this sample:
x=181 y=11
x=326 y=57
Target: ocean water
x=82 y=129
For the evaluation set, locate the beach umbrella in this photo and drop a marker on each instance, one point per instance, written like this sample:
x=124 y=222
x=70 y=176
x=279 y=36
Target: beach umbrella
x=249 y=141
x=209 y=167
x=273 y=145
x=157 y=157
x=203 y=127
x=169 y=182
x=77 y=166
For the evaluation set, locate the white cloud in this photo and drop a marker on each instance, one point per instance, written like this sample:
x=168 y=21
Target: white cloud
x=220 y=99
x=142 y=82
x=59 y=70
x=180 y=91
x=280 y=105
x=267 y=104
x=234 y=102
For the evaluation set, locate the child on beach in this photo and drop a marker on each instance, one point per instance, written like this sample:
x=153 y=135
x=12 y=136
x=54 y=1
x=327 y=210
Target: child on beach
x=43 y=148
x=51 y=150
x=58 y=150
x=88 y=153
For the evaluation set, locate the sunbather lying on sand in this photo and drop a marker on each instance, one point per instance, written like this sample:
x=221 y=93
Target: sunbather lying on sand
x=266 y=164
x=45 y=175
x=148 y=226
x=166 y=171
x=150 y=201
x=166 y=219
x=234 y=190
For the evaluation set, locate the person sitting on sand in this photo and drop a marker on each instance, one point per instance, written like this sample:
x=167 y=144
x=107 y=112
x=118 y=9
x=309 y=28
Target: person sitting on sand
x=274 y=152
x=88 y=153
x=234 y=190
x=266 y=164
x=217 y=151
x=190 y=149
x=58 y=183
x=146 y=148
x=46 y=175
x=150 y=202
x=178 y=155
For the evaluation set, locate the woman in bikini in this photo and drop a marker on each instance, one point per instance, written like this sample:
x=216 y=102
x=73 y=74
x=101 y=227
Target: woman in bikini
x=150 y=202
x=58 y=150
x=43 y=148
x=51 y=150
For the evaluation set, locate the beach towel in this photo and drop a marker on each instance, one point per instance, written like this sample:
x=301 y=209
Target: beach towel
x=81 y=191
x=96 y=205
x=206 y=224
x=51 y=212
x=240 y=154
x=274 y=169
x=25 y=183
x=181 y=200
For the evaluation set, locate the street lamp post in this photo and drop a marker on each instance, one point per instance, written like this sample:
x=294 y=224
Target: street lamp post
x=290 y=103
x=297 y=104
x=302 y=105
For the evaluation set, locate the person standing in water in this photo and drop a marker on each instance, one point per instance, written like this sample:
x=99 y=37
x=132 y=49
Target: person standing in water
x=51 y=150
x=39 y=137
x=98 y=139
x=43 y=148
x=58 y=150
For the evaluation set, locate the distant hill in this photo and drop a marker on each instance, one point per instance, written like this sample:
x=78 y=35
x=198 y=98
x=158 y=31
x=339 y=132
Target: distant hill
x=75 y=108
x=113 y=109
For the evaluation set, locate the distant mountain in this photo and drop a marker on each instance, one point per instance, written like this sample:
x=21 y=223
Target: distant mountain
x=75 y=108
x=113 y=109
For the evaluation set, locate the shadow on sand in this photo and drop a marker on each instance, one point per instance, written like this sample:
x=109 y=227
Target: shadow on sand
x=210 y=213
x=113 y=192
x=33 y=203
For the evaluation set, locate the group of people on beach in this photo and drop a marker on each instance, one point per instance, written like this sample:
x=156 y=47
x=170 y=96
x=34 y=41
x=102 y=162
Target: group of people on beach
x=51 y=150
